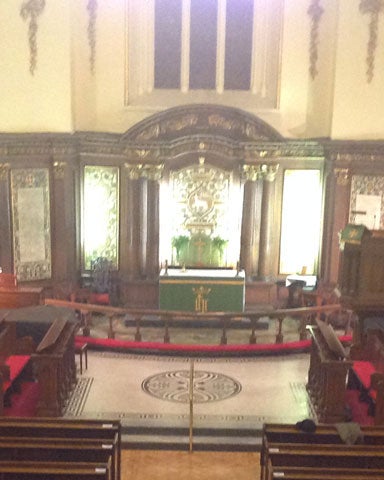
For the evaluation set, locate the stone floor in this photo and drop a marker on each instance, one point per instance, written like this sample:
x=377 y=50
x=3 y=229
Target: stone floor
x=152 y=392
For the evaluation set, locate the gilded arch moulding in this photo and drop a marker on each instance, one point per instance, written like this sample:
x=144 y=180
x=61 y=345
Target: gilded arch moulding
x=195 y=120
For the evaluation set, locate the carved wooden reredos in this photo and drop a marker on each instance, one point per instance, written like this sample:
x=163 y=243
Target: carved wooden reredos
x=226 y=138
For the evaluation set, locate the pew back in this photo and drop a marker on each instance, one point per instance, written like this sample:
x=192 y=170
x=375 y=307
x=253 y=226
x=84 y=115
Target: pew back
x=71 y=441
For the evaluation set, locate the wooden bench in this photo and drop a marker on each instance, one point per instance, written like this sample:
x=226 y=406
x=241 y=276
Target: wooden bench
x=322 y=456
x=312 y=473
x=67 y=450
x=74 y=440
x=287 y=433
x=288 y=452
x=35 y=470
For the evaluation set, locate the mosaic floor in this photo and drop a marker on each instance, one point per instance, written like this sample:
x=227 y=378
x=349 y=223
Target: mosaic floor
x=155 y=390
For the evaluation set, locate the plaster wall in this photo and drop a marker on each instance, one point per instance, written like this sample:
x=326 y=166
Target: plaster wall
x=40 y=101
x=64 y=95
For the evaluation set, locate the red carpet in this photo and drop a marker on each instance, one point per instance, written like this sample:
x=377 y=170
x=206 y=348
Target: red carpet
x=159 y=347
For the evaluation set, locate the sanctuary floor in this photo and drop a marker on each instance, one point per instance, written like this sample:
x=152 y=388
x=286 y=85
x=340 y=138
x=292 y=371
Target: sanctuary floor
x=230 y=394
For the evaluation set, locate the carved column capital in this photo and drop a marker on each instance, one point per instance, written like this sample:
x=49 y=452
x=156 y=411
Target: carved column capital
x=343 y=176
x=4 y=170
x=151 y=172
x=59 y=169
x=251 y=173
x=270 y=171
x=262 y=171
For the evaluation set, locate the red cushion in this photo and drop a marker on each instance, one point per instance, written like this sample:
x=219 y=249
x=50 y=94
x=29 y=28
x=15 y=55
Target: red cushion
x=364 y=370
x=99 y=298
x=16 y=364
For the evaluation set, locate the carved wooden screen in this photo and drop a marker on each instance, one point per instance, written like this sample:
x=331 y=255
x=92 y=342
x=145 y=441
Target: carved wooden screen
x=205 y=213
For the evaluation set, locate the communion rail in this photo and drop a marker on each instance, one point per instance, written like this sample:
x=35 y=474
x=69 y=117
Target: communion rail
x=223 y=320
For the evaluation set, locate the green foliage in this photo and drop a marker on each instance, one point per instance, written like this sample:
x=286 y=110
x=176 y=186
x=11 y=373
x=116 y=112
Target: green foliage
x=180 y=243
x=219 y=244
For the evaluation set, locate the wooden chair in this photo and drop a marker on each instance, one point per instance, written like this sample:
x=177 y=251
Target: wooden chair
x=81 y=349
x=8 y=280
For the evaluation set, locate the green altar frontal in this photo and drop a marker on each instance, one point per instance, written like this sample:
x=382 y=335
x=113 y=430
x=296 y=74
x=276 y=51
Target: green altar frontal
x=202 y=290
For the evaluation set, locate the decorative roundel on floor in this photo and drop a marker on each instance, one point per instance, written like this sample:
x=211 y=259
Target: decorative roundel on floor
x=207 y=386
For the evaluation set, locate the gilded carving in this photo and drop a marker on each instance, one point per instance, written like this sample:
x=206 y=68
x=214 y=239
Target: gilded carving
x=372 y=8
x=315 y=11
x=343 y=176
x=31 y=9
x=251 y=173
x=142 y=153
x=91 y=30
x=261 y=171
x=201 y=300
x=151 y=172
x=153 y=131
x=269 y=172
x=59 y=169
x=4 y=170
x=222 y=122
x=177 y=124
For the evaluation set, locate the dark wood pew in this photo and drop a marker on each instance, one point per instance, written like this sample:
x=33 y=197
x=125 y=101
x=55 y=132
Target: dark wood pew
x=328 y=372
x=292 y=453
x=74 y=435
x=55 y=367
x=46 y=450
x=287 y=433
x=13 y=364
x=29 y=470
x=312 y=473
x=323 y=456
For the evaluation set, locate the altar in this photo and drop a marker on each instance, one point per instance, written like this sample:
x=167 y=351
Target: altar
x=202 y=290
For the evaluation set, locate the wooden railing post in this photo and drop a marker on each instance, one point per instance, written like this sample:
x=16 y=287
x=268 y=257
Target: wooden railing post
x=279 y=335
x=252 y=337
x=111 y=333
x=191 y=380
x=224 y=339
x=167 y=338
x=138 y=337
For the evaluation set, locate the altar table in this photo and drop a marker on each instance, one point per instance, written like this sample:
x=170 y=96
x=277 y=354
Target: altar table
x=202 y=290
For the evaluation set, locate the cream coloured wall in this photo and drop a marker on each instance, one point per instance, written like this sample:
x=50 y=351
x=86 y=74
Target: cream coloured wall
x=83 y=80
x=321 y=85
x=39 y=102
x=63 y=95
x=358 y=105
